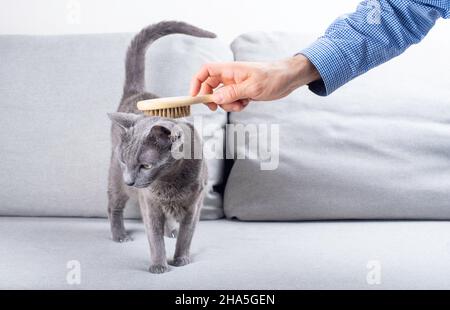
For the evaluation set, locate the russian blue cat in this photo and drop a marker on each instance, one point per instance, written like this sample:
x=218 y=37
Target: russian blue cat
x=169 y=189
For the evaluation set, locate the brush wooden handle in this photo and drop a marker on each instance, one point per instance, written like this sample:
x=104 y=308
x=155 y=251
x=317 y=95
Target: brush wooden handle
x=172 y=102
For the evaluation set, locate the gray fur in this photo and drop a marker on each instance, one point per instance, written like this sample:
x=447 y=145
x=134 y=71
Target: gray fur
x=171 y=191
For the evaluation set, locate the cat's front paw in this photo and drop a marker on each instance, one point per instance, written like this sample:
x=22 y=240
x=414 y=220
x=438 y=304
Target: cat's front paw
x=158 y=268
x=124 y=237
x=180 y=261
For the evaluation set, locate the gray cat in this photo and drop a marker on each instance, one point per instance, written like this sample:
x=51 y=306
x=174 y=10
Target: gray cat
x=170 y=190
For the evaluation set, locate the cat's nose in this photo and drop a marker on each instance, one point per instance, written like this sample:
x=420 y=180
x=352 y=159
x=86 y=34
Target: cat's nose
x=129 y=183
x=128 y=178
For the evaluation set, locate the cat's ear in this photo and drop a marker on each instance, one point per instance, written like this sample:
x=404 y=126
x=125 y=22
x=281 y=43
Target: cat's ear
x=166 y=131
x=124 y=120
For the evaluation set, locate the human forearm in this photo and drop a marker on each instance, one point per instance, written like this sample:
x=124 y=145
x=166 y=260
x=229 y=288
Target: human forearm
x=378 y=31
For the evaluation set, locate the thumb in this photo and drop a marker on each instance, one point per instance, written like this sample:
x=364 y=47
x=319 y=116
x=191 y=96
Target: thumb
x=230 y=93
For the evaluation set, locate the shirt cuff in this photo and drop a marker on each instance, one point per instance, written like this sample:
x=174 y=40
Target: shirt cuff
x=331 y=65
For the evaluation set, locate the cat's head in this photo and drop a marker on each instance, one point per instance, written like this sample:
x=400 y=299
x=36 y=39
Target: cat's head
x=145 y=146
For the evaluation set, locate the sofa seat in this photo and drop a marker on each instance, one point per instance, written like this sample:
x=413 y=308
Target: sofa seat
x=34 y=253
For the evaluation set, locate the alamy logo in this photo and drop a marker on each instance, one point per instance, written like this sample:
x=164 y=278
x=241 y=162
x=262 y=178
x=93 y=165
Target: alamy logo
x=374 y=14
x=73 y=12
x=243 y=141
x=374 y=274
x=253 y=141
x=73 y=276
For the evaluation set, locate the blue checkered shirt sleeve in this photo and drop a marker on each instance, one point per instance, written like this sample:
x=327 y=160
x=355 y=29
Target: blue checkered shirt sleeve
x=378 y=31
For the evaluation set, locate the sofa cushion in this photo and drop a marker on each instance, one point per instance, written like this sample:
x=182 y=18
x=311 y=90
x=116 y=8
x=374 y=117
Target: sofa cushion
x=40 y=253
x=55 y=92
x=378 y=148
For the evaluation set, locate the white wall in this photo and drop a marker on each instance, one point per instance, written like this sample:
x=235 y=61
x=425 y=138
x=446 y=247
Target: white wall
x=227 y=18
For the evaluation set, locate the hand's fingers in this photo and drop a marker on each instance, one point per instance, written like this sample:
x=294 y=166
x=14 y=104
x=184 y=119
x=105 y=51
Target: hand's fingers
x=232 y=107
x=242 y=104
x=245 y=102
x=208 y=86
x=207 y=89
x=213 y=82
x=208 y=70
x=194 y=87
x=212 y=106
x=230 y=93
x=226 y=107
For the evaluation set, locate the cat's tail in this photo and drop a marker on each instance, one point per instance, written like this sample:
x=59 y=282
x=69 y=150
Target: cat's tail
x=135 y=60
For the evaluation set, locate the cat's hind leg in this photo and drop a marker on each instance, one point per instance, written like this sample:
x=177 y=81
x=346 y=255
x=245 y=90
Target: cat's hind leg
x=117 y=198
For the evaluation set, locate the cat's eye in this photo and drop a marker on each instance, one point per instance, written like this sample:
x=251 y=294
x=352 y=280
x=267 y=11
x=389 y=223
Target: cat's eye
x=147 y=166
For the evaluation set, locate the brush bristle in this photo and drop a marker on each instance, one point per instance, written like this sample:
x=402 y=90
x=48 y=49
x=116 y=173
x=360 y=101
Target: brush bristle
x=170 y=113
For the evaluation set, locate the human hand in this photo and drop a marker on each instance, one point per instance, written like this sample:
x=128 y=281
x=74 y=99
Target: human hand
x=244 y=81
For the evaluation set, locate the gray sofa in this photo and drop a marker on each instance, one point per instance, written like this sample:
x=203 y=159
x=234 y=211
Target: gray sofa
x=359 y=198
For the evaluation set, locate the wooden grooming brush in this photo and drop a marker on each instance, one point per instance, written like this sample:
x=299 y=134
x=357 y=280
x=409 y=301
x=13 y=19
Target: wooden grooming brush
x=171 y=107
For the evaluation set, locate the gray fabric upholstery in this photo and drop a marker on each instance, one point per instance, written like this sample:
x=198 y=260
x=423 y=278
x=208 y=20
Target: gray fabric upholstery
x=229 y=255
x=369 y=151
x=376 y=149
x=55 y=92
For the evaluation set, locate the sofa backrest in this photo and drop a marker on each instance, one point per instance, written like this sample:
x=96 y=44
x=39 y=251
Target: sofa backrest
x=55 y=92
x=378 y=148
